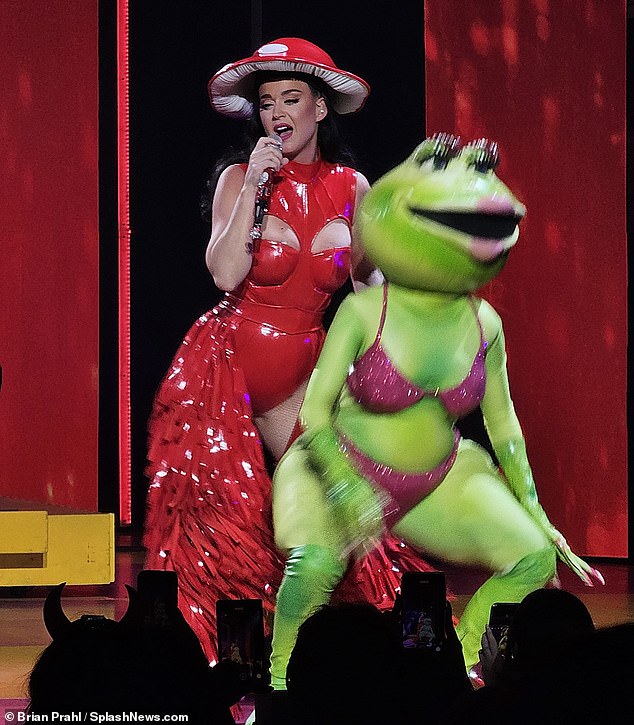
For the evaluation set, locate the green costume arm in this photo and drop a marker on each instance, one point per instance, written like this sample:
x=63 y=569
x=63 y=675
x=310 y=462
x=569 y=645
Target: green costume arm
x=510 y=448
x=503 y=425
x=514 y=462
x=356 y=508
x=342 y=344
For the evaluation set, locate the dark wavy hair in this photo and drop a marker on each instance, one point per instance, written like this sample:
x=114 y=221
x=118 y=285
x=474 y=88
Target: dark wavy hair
x=331 y=145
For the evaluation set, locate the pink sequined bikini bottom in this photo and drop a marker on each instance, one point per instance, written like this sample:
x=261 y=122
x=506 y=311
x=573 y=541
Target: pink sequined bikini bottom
x=404 y=490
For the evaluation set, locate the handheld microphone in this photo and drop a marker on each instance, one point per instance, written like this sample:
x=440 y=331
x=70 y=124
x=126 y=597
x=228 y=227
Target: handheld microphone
x=263 y=196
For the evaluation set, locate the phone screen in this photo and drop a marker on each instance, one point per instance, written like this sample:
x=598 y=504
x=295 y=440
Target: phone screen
x=500 y=618
x=423 y=601
x=241 y=637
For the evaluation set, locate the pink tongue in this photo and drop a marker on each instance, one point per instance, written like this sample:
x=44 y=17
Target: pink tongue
x=485 y=250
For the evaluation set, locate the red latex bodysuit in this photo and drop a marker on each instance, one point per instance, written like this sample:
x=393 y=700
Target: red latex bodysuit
x=209 y=502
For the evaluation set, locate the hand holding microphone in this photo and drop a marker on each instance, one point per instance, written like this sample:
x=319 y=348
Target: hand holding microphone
x=272 y=141
x=264 y=189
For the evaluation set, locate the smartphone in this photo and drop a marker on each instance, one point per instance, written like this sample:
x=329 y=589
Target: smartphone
x=241 y=638
x=500 y=618
x=157 y=597
x=423 y=603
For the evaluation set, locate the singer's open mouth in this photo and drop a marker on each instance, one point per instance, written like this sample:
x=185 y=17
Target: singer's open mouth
x=283 y=130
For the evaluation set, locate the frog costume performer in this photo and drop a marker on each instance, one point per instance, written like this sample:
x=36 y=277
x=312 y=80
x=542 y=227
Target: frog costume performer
x=400 y=365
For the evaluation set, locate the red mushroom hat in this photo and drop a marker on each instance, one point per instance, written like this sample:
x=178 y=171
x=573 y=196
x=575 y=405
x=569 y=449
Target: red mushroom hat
x=231 y=88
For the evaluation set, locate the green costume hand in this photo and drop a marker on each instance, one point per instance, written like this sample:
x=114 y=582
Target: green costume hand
x=356 y=507
x=514 y=462
x=581 y=568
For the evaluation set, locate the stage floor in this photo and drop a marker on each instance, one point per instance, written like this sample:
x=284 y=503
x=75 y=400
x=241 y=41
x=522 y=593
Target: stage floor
x=23 y=635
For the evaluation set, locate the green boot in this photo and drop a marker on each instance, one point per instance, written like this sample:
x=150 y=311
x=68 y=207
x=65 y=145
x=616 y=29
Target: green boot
x=310 y=576
x=530 y=573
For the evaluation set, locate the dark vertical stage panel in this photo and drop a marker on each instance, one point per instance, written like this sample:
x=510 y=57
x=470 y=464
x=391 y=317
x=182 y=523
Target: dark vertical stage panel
x=175 y=138
x=547 y=81
x=175 y=47
x=49 y=240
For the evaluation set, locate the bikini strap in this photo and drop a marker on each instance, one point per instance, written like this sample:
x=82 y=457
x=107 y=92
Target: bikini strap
x=483 y=342
x=383 y=313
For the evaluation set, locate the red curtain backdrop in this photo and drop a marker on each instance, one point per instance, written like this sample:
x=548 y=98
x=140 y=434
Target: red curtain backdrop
x=49 y=244
x=546 y=79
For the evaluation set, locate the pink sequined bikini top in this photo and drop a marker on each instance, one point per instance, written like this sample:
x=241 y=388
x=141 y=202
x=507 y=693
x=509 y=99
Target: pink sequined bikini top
x=380 y=388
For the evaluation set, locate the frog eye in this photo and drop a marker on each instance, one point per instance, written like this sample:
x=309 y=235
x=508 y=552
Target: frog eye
x=482 y=155
x=441 y=147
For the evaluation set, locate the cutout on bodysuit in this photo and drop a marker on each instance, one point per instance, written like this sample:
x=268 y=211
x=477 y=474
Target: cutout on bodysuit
x=279 y=231
x=275 y=261
x=333 y=235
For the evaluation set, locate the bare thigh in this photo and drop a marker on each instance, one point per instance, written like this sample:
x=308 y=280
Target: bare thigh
x=472 y=517
x=277 y=424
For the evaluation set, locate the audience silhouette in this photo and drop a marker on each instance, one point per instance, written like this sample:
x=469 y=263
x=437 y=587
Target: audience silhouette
x=348 y=667
x=345 y=667
x=546 y=625
x=589 y=682
x=150 y=662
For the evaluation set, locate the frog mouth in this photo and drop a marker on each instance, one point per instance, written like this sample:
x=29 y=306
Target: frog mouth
x=474 y=223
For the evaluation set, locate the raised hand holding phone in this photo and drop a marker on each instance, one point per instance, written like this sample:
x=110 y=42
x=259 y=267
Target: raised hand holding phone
x=241 y=640
x=422 y=608
x=500 y=618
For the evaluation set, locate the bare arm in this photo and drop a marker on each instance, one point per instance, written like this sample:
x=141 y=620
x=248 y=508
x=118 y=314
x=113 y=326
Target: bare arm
x=227 y=256
x=364 y=273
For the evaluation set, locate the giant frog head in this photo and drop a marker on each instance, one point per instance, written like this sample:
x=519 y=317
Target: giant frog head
x=441 y=221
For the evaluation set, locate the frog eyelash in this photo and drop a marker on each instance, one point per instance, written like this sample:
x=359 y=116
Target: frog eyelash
x=441 y=147
x=482 y=154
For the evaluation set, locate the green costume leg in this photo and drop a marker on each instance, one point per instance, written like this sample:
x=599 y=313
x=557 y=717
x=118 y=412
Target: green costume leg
x=311 y=574
x=473 y=519
x=304 y=527
x=532 y=572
